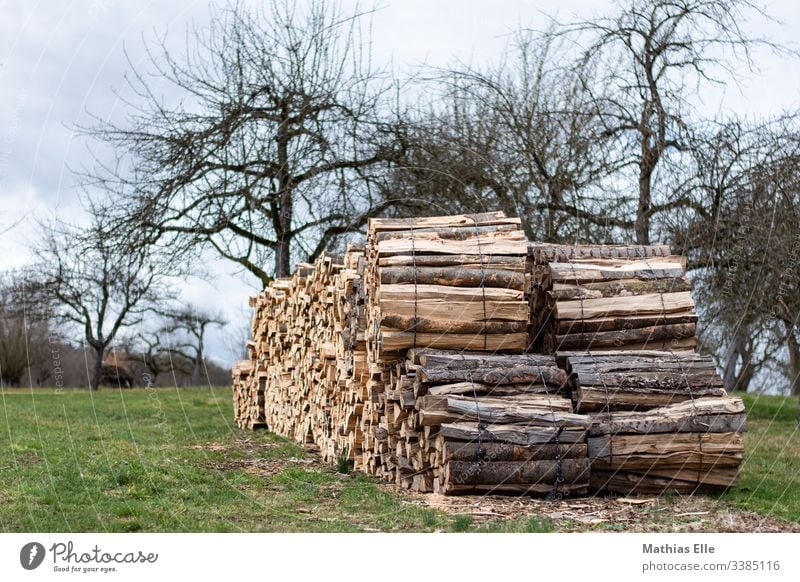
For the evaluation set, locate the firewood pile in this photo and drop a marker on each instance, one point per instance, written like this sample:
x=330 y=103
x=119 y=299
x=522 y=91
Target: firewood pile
x=468 y=421
x=449 y=355
x=610 y=298
x=660 y=421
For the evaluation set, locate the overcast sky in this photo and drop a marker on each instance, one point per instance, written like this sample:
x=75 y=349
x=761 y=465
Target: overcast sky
x=60 y=58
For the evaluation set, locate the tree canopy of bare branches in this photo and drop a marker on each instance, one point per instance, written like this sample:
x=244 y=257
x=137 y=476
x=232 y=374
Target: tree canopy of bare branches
x=267 y=154
x=98 y=284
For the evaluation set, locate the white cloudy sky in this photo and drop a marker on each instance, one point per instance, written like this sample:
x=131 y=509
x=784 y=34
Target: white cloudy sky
x=60 y=58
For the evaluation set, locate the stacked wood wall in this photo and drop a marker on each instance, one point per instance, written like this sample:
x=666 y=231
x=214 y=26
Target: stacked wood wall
x=450 y=355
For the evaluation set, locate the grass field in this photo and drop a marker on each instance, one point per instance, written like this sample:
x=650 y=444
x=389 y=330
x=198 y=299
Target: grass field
x=171 y=460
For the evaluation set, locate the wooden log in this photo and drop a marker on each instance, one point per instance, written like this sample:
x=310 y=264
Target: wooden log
x=543 y=253
x=421 y=325
x=452 y=247
x=457 y=359
x=515 y=489
x=532 y=414
x=397 y=340
x=626 y=322
x=449 y=232
x=659 y=303
x=619 y=287
x=455 y=276
x=667 y=378
x=515 y=472
x=594 y=399
x=445 y=293
x=694 y=461
x=490 y=451
x=461 y=311
x=507 y=391
x=495 y=376
x=607 y=446
x=463 y=261
x=535 y=401
x=610 y=339
x=510 y=433
x=471 y=220
x=699 y=415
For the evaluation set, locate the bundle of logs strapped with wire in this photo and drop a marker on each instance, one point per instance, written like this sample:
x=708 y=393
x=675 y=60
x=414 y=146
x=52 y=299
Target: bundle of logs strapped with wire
x=610 y=298
x=661 y=421
x=469 y=422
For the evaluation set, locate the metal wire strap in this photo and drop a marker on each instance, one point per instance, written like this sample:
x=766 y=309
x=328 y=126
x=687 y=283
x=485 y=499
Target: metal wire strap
x=414 y=270
x=554 y=493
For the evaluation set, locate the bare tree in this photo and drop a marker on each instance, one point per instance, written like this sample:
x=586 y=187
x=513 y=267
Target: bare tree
x=521 y=136
x=744 y=250
x=150 y=349
x=97 y=282
x=188 y=327
x=654 y=55
x=24 y=328
x=267 y=156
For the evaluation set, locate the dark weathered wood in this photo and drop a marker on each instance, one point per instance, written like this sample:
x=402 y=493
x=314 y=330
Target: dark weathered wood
x=594 y=399
x=625 y=336
x=516 y=489
x=699 y=415
x=543 y=253
x=490 y=451
x=619 y=287
x=535 y=413
x=508 y=390
x=458 y=276
x=496 y=376
x=694 y=461
x=621 y=323
x=420 y=325
x=510 y=433
x=515 y=472
x=471 y=360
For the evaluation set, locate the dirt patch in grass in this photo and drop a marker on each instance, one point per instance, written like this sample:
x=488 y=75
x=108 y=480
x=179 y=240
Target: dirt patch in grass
x=630 y=514
x=259 y=467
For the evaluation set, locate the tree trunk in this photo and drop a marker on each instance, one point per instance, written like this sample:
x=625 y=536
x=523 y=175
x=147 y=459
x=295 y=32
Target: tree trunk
x=794 y=363
x=198 y=363
x=642 y=224
x=97 y=370
x=737 y=351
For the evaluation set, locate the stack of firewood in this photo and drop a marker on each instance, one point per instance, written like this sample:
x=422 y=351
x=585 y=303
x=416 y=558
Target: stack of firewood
x=687 y=447
x=660 y=421
x=420 y=357
x=459 y=422
x=449 y=282
x=610 y=298
x=248 y=396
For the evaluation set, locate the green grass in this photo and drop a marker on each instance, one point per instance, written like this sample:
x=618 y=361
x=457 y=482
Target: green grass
x=770 y=472
x=171 y=460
